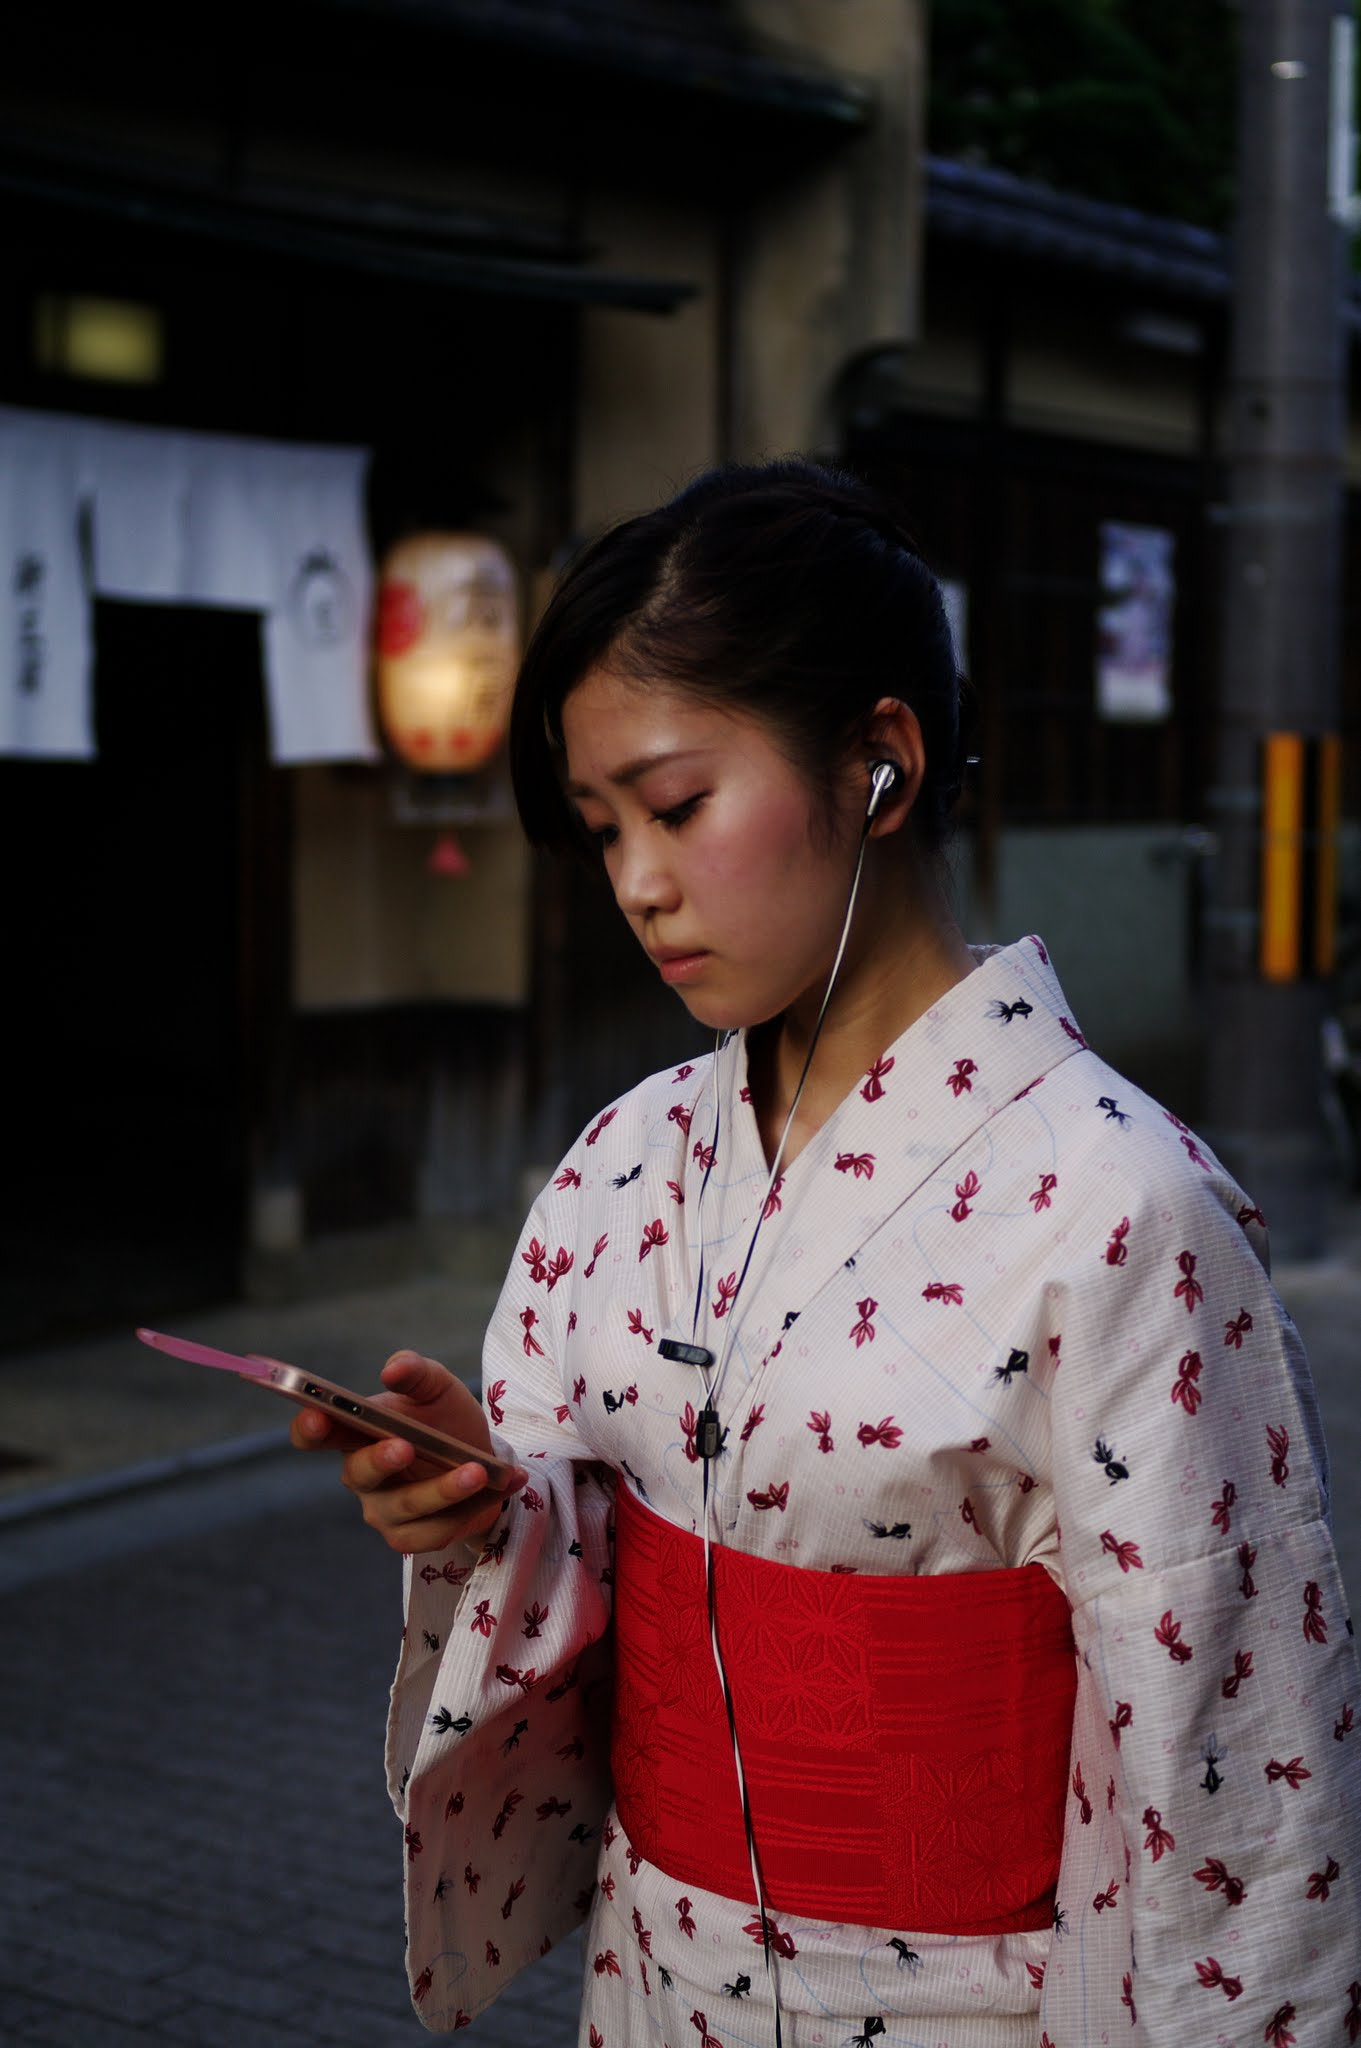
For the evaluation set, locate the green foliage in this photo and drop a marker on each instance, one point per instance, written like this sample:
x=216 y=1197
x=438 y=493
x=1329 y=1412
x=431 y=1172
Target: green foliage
x=1125 y=100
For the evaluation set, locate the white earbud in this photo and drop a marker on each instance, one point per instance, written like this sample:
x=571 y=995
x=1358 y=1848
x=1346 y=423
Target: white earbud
x=886 y=778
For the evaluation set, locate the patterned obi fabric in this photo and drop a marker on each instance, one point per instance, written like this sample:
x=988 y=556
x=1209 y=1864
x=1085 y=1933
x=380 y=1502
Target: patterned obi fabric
x=905 y=1740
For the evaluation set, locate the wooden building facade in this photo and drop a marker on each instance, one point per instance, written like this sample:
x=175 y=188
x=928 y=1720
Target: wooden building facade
x=542 y=262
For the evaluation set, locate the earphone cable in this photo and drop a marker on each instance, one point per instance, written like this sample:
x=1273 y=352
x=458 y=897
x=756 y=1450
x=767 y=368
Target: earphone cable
x=698 y=1225
x=767 y=1933
x=712 y=1388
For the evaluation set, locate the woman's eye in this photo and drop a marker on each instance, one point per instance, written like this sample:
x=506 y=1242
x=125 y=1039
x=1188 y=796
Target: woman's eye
x=678 y=813
x=601 y=836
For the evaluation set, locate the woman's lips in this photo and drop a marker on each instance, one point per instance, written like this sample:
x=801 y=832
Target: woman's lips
x=674 y=967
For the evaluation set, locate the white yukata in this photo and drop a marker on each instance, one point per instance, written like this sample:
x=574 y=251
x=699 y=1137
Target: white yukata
x=1004 y=1310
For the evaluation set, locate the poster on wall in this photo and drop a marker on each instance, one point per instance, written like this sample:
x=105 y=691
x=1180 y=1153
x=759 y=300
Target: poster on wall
x=1134 y=624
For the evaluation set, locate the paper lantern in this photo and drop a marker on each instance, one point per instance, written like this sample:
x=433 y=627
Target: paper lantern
x=448 y=649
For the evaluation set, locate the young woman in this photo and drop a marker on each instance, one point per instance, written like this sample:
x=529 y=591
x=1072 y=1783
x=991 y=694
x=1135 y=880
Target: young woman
x=917 y=1621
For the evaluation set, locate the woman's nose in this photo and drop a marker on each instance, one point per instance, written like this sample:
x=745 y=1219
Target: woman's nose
x=640 y=881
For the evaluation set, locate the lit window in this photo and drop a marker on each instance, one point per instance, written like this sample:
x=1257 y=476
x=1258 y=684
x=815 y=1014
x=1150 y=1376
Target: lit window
x=115 y=341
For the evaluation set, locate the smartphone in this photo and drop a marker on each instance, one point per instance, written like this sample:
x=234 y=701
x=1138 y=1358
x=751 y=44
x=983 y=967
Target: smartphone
x=310 y=1390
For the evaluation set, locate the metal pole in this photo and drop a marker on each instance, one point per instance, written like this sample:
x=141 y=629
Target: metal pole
x=1273 y=804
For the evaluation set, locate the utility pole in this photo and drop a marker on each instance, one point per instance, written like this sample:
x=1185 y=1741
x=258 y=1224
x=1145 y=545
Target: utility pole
x=1269 y=926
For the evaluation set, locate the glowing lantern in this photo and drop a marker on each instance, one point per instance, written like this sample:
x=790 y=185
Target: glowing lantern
x=448 y=648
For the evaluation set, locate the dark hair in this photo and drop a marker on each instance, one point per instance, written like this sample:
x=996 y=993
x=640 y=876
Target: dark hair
x=786 y=590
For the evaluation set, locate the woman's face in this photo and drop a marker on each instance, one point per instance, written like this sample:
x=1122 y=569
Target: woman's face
x=712 y=843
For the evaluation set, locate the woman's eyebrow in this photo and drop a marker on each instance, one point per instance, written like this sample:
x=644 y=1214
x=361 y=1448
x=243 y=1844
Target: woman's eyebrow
x=631 y=771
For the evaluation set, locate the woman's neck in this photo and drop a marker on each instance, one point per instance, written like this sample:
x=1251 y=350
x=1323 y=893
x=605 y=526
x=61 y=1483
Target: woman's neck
x=917 y=953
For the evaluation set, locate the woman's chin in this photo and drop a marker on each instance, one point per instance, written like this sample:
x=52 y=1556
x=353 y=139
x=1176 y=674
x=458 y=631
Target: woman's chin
x=717 y=1013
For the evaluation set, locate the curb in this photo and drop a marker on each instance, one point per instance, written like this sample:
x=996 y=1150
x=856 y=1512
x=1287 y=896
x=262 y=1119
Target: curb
x=72 y=1494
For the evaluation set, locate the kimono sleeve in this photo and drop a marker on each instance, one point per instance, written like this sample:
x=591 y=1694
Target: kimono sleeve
x=498 y=1736
x=1212 y=1865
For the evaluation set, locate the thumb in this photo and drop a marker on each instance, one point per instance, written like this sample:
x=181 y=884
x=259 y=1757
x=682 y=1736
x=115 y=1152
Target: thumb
x=415 y=1377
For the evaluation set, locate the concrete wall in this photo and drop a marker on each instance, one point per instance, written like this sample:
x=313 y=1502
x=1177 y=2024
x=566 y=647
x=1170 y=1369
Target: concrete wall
x=1114 y=906
x=828 y=265
x=373 y=925
x=648 y=387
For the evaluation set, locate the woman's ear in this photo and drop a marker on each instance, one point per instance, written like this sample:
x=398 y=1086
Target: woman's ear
x=893 y=736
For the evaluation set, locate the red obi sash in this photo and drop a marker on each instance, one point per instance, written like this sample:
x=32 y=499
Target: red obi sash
x=905 y=1740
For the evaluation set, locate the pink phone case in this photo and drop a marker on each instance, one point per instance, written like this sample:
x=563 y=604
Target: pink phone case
x=310 y=1390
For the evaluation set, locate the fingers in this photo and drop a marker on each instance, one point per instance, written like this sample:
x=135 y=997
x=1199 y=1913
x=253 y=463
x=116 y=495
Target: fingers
x=314 y=1430
x=419 y=1514
x=436 y=1532
x=375 y=1467
x=409 y=1381
x=309 y=1430
x=412 y=1505
x=375 y=1464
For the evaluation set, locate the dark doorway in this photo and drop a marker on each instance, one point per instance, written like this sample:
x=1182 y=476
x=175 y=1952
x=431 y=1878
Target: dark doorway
x=124 y=1168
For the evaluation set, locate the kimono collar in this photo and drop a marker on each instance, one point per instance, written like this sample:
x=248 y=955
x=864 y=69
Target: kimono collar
x=986 y=1040
x=991 y=1038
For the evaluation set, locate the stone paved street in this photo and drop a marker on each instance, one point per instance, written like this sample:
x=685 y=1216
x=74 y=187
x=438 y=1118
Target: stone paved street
x=198 y=1848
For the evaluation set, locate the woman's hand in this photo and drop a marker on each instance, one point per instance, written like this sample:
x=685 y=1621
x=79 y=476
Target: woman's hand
x=413 y=1507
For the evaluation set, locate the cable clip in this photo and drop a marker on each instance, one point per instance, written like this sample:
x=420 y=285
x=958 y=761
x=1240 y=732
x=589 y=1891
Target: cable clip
x=685 y=1354
x=708 y=1434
